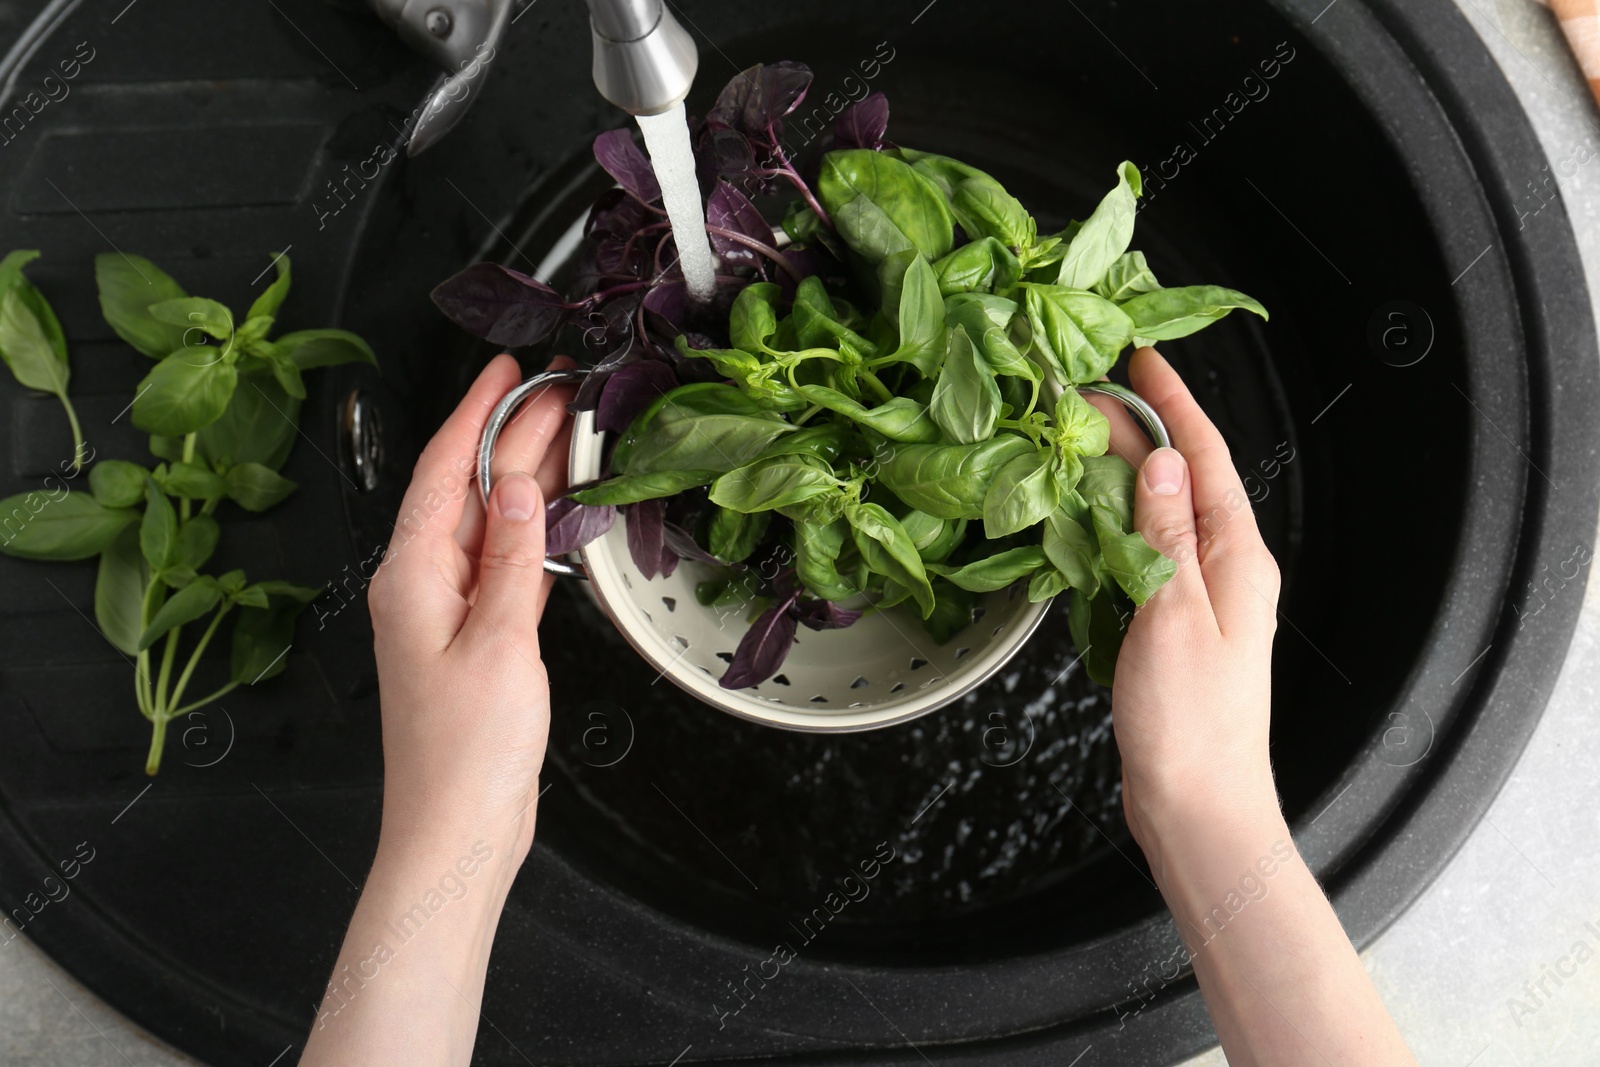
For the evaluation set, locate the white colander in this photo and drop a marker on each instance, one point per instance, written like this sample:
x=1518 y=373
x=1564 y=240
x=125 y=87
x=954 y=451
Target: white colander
x=883 y=670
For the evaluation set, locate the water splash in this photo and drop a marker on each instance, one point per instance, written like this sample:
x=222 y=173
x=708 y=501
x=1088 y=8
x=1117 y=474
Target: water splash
x=666 y=138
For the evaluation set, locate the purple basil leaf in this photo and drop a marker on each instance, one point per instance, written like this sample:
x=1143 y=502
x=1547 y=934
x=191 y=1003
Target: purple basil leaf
x=615 y=151
x=669 y=560
x=863 y=123
x=824 y=615
x=616 y=214
x=569 y=525
x=728 y=154
x=763 y=649
x=616 y=257
x=644 y=536
x=806 y=261
x=588 y=398
x=682 y=544
x=729 y=209
x=755 y=101
x=631 y=389
x=669 y=298
x=500 y=305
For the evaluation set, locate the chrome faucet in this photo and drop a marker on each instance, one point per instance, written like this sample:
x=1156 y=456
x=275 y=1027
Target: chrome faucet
x=644 y=61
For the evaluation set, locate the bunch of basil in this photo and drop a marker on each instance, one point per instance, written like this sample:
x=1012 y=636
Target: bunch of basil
x=223 y=417
x=903 y=368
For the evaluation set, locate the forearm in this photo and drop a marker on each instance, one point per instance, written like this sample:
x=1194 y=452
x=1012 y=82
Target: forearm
x=409 y=978
x=1278 y=974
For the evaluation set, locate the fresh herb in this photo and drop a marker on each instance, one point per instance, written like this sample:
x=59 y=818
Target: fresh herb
x=827 y=434
x=221 y=405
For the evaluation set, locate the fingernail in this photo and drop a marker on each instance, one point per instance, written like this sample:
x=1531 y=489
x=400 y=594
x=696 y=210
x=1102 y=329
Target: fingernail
x=516 y=496
x=1163 y=471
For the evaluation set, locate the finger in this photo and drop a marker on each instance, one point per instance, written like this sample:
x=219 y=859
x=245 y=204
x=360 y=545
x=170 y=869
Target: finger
x=532 y=433
x=510 y=570
x=1127 y=439
x=1163 y=511
x=1238 y=571
x=444 y=480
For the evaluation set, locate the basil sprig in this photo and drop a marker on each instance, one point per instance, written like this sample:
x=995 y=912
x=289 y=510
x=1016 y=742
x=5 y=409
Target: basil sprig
x=221 y=404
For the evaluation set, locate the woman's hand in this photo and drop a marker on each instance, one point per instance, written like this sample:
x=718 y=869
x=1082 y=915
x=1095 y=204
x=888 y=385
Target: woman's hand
x=1191 y=706
x=1193 y=695
x=455 y=614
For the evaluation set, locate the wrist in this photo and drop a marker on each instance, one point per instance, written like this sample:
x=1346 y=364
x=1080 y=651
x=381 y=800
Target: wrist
x=1217 y=812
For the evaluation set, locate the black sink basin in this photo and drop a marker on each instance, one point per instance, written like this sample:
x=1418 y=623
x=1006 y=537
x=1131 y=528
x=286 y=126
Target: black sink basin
x=1405 y=422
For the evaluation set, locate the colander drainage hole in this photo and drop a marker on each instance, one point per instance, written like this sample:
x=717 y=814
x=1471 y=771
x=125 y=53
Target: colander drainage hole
x=977 y=612
x=780 y=679
x=670 y=602
x=819 y=699
x=682 y=641
x=859 y=683
x=931 y=681
x=962 y=652
x=726 y=657
x=997 y=630
x=896 y=687
x=918 y=664
x=647 y=617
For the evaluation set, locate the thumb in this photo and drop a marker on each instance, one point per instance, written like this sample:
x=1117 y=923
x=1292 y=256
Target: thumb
x=1163 y=511
x=511 y=564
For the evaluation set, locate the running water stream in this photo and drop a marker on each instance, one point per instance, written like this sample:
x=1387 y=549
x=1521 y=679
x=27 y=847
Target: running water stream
x=666 y=139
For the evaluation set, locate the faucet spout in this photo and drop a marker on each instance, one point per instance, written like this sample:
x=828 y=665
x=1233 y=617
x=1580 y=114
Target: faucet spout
x=644 y=61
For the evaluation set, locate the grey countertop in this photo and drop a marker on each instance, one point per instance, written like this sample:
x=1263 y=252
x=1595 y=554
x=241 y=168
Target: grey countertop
x=1462 y=969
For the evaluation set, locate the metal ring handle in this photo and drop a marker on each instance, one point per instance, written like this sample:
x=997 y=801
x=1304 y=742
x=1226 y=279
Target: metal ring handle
x=498 y=418
x=1136 y=404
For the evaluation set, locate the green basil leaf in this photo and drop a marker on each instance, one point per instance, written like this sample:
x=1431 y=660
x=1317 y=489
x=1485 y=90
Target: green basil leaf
x=117 y=483
x=304 y=594
x=325 y=348
x=773 y=483
x=949 y=481
x=979 y=266
x=879 y=205
x=921 y=320
x=984 y=209
x=27 y=349
x=128 y=286
x=994 y=572
x=966 y=400
x=255 y=487
x=754 y=317
x=901 y=419
x=934 y=538
x=952 y=612
x=1107 y=481
x=1080 y=426
x=268 y=303
x=231 y=583
x=179 y=397
x=191 y=482
x=187 y=604
x=286 y=373
x=1072 y=551
x=703 y=426
x=194 y=313
x=12 y=280
x=250 y=597
x=167 y=448
x=731 y=535
x=1167 y=314
x=196 y=541
x=817 y=324
x=945 y=173
x=1046 y=584
x=826 y=442
x=1023 y=493
x=1129 y=276
x=632 y=488
x=251 y=336
x=262 y=637
x=119 y=590
x=988 y=321
x=1139 y=569
x=1104 y=235
x=1079 y=333
x=1097 y=626
x=258 y=425
x=817 y=547
x=733 y=363
x=888 y=550
x=75 y=526
x=158 y=531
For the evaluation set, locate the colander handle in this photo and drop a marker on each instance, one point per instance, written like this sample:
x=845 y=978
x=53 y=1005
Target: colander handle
x=1136 y=404
x=498 y=418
